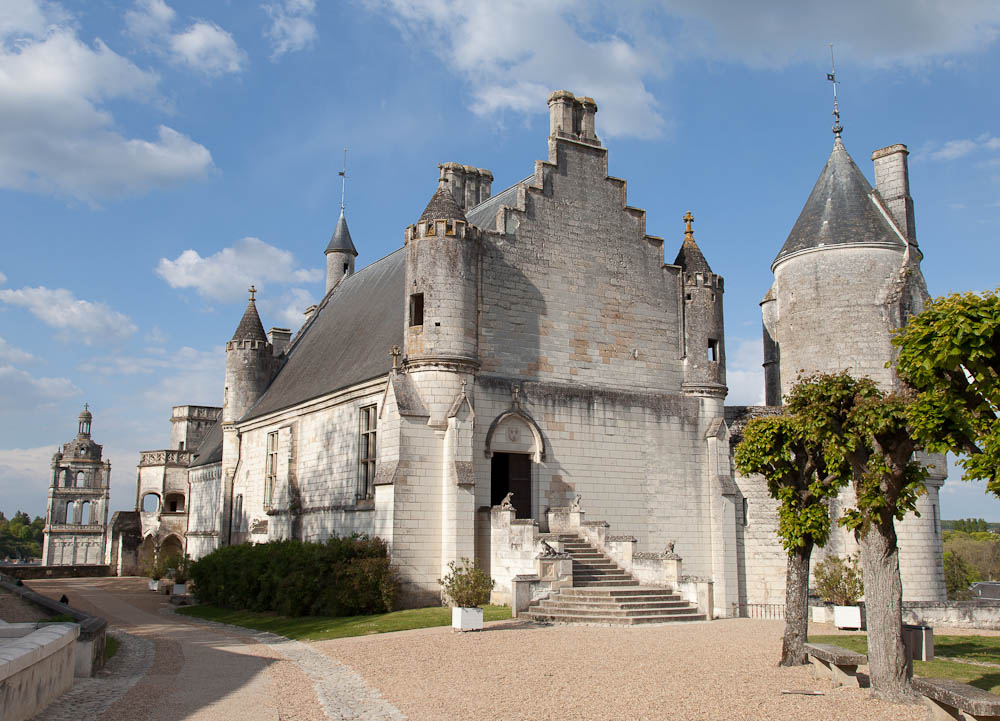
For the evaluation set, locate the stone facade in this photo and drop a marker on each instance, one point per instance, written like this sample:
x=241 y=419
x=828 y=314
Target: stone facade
x=537 y=342
x=79 y=491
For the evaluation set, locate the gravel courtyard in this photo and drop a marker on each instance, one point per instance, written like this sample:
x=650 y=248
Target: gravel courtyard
x=722 y=669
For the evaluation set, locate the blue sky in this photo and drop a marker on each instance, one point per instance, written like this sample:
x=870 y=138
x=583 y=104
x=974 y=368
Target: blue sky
x=157 y=157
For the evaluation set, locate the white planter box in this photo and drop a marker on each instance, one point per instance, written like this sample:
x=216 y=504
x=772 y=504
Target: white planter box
x=180 y=589
x=820 y=614
x=467 y=619
x=154 y=585
x=847 y=617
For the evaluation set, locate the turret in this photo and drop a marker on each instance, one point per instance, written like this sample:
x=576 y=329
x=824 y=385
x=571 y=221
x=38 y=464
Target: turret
x=441 y=282
x=340 y=254
x=84 y=421
x=704 y=338
x=250 y=364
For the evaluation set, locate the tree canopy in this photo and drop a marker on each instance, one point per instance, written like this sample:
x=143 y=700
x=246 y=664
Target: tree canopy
x=950 y=354
x=21 y=537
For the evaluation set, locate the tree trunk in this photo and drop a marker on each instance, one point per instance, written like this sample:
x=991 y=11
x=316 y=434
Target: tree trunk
x=793 y=652
x=884 y=604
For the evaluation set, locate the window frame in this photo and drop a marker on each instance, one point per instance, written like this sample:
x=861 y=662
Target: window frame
x=270 y=467
x=367 y=451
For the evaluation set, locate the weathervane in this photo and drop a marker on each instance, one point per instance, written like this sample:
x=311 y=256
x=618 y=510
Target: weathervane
x=343 y=182
x=832 y=77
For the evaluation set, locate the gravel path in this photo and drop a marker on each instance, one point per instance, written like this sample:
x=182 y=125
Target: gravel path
x=721 y=669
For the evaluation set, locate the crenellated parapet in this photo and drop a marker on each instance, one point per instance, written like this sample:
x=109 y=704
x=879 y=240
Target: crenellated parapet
x=166 y=457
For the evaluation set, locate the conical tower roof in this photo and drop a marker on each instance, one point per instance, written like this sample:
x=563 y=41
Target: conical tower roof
x=341 y=238
x=839 y=211
x=690 y=257
x=442 y=205
x=250 y=327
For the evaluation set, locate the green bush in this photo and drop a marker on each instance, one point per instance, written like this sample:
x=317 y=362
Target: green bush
x=341 y=577
x=838 y=580
x=465 y=585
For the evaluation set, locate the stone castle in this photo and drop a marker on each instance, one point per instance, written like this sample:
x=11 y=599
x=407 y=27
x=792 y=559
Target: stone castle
x=531 y=356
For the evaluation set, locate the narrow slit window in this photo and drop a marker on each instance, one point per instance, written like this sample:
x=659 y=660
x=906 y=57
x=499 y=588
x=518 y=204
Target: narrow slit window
x=713 y=350
x=271 y=474
x=366 y=453
x=417 y=309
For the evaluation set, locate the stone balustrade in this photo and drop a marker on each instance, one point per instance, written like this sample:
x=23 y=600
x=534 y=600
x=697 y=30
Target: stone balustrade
x=166 y=457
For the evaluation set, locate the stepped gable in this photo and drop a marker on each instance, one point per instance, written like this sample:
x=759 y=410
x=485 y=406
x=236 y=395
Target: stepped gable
x=210 y=450
x=346 y=342
x=341 y=238
x=840 y=211
x=442 y=205
x=250 y=327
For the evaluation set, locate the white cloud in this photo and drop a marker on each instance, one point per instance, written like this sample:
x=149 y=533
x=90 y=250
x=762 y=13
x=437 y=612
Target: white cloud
x=155 y=336
x=203 y=47
x=23 y=474
x=58 y=136
x=291 y=27
x=288 y=310
x=513 y=54
x=80 y=320
x=184 y=357
x=11 y=354
x=207 y=48
x=3 y=278
x=773 y=33
x=20 y=390
x=744 y=372
x=955 y=149
x=226 y=275
x=196 y=377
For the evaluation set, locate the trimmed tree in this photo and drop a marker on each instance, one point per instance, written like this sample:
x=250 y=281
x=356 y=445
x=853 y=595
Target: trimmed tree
x=860 y=425
x=795 y=470
x=950 y=354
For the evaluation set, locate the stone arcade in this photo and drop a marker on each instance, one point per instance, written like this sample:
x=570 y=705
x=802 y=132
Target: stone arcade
x=539 y=347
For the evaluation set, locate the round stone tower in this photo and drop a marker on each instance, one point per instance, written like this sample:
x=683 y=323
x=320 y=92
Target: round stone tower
x=249 y=365
x=704 y=337
x=442 y=262
x=340 y=254
x=847 y=276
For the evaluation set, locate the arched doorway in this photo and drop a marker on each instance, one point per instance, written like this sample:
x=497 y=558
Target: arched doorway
x=514 y=444
x=171 y=547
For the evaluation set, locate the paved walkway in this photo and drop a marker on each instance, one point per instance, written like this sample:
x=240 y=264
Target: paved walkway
x=171 y=668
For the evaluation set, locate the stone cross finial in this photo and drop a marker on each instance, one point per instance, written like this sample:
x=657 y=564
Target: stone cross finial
x=463 y=387
x=515 y=395
x=252 y=291
x=86 y=406
x=688 y=232
x=395 y=357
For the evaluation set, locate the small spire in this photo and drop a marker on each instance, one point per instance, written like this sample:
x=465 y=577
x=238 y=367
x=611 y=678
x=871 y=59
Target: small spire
x=689 y=257
x=252 y=291
x=832 y=77
x=250 y=327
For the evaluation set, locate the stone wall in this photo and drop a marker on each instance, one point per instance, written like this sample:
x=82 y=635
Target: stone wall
x=36 y=667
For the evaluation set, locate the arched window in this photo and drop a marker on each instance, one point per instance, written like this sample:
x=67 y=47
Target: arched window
x=81 y=479
x=150 y=503
x=85 y=513
x=174 y=503
x=68 y=516
x=238 y=513
x=67 y=479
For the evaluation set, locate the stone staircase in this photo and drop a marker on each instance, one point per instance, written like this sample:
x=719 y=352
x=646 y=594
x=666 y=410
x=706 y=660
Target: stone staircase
x=603 y=593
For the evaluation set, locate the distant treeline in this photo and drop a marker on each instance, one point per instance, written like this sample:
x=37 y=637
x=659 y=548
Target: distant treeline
x=970 y=525
x=20 y=537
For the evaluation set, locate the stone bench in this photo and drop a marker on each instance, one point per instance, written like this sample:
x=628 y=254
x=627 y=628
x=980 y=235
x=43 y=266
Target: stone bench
x=840 y=665
x=949 y=700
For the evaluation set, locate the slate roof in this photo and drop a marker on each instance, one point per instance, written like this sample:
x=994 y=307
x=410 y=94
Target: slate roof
x=690 y=258
x=839 y=211
x=341 y=238
x=250 y=327
x=210 y=450
x=442 y=205
x=484 y=215
x=347 y=341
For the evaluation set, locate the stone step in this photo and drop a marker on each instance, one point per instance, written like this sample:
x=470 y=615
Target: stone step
x=613 y=611
x=623 y=591
x=605 y=576
x=601 y=584
x=614 y=620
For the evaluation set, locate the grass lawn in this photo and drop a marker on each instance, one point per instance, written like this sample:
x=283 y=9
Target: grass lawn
x=319 y=628
x=971 y=649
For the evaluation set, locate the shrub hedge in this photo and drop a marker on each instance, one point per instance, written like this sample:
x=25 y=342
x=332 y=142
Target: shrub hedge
x=341 y=577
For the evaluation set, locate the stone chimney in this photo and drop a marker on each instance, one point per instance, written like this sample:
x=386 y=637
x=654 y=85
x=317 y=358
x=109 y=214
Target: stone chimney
x=470 y=186
x=892 y=181
x=572 y=117
x=280 y=338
